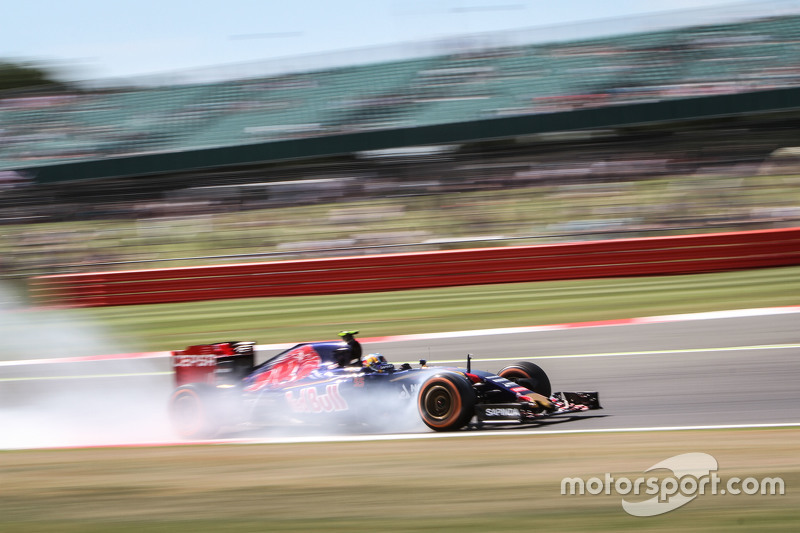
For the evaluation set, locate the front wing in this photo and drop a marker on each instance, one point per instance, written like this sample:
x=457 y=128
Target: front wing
x=563 y=403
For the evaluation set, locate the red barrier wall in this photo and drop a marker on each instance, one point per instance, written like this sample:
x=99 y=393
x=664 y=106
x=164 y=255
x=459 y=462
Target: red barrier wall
x=626 y=257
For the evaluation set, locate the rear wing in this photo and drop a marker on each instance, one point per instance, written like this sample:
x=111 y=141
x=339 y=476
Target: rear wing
x=224 y=363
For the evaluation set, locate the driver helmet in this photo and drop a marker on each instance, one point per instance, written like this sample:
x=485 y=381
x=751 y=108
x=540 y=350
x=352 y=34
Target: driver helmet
x=374 y=359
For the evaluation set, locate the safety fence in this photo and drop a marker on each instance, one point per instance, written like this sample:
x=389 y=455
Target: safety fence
x=580 y=260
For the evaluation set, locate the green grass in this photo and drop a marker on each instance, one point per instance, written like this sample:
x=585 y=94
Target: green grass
x=295 y=319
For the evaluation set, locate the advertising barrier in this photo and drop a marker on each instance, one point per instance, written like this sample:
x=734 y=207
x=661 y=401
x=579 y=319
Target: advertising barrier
x=683 y=254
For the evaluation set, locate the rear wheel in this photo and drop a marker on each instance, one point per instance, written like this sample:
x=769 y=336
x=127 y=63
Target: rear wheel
x=446 y=402
x=192 y=411
x=530 y=376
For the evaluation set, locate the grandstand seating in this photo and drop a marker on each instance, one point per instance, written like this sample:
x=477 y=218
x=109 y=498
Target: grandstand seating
x=540 y=78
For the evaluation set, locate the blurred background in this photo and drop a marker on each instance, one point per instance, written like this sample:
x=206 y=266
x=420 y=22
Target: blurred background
x=405 y=127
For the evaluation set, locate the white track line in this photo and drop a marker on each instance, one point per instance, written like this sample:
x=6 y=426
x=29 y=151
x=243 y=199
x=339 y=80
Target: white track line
x=735 y=313
x=711 y=315
x=685 y=351
x=538 y=432
x=499 y=432
x=86 y=359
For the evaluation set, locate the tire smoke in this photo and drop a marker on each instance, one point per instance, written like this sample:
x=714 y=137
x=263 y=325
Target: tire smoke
x=51 y=404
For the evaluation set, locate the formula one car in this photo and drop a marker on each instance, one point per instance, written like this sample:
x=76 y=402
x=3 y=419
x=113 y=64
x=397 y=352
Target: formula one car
x=219 y=387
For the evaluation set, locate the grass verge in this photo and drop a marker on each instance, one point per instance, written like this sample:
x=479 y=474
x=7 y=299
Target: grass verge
x=490 y=483
x=295 y=319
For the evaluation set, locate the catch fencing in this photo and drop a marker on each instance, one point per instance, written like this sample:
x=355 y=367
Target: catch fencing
x=580 y=260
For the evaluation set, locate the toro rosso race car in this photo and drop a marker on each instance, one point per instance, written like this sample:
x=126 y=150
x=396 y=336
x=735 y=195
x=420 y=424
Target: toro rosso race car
x=218 y=387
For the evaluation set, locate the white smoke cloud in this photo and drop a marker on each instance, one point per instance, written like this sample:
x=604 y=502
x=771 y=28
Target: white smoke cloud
x=73 y=404
x=123 y=402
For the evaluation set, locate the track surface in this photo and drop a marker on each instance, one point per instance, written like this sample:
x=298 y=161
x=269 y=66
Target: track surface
x=740 y=370
x=692 y=382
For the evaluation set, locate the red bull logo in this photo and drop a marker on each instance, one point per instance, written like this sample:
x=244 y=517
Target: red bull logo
x=308 y=400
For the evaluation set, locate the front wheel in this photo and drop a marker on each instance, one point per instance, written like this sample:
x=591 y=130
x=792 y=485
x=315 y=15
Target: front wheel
x=530 y=376
x=446 y=402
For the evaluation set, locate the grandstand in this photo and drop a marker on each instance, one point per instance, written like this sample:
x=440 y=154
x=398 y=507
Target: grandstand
x=637 y=134
x=740 y=57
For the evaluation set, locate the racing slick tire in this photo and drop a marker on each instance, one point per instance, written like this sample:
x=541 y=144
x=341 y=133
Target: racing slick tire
x=193 y=411
x=530 y=376
x=446 y=402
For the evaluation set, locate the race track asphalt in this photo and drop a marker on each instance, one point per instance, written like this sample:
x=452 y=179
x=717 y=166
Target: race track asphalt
x=655 y=375
x=720 y=371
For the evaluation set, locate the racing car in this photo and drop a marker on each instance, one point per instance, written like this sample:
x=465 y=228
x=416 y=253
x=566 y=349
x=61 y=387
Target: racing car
x=219 y=387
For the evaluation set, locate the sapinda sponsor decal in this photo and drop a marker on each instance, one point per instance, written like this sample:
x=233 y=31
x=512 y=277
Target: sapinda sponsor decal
x=502 y=412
